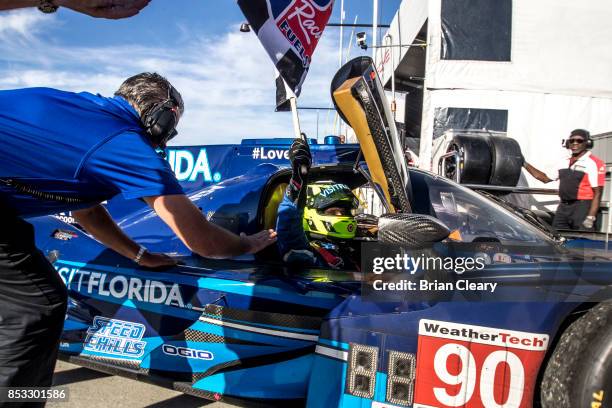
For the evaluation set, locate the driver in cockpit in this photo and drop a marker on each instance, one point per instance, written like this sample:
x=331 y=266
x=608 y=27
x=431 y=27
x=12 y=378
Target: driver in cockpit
x=316 y=222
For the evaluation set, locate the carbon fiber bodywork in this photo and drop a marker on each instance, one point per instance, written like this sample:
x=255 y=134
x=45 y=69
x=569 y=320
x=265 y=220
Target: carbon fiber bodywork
x=368 y=104
x=410 y=230
x=205 y=337
x=264 y=318
x=384 y=144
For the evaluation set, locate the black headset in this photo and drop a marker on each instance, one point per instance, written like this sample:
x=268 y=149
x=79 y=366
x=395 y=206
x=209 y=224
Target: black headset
x=580 y=132
x=160 y=121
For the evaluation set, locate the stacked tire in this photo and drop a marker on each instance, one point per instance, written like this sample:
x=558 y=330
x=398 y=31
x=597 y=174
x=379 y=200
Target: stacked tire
x=485 y=159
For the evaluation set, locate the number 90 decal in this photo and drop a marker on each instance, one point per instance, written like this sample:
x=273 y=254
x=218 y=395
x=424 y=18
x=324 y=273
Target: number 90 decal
x=462 y=365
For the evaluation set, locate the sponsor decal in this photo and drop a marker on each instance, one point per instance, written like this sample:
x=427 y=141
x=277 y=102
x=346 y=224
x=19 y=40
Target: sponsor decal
x=333 y=188
x=461 y=365
x=260 y=153
x=118 y=337
x=383 y=61
x=598 y=398
x=188 y=168
x=122 y=287
x=64 y=344
x=63 y=235
x=186 y=352
x=65 y=217
x=500 y=257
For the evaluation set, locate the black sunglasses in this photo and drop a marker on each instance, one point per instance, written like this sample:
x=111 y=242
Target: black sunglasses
x=576 y=141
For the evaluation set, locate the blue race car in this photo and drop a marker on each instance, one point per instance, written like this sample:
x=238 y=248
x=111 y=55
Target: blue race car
x=254 y=329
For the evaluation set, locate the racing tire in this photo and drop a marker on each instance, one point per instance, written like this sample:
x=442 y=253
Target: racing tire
x=579 y=372
x=506 y=161
x=475 y=159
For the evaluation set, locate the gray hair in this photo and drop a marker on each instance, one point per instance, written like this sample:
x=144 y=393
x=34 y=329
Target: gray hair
x=144 y=91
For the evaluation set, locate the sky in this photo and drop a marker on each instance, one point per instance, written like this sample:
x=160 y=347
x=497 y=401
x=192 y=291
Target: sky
x=225 y=77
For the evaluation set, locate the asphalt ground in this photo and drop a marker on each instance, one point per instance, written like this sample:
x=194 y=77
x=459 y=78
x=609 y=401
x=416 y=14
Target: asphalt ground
x=91 y=389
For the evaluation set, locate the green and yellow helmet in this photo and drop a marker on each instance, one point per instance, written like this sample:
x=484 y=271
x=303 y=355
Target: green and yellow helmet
x=329 y=211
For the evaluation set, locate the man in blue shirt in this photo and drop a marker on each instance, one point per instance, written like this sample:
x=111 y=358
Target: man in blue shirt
x=63 y=151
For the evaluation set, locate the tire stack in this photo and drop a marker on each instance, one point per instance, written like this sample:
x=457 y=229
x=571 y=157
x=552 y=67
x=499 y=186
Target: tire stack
x=485 y=159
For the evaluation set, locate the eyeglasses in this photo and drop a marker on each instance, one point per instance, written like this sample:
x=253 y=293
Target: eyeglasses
x=576 y=141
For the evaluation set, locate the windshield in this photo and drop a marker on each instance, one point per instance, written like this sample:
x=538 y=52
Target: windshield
x=473 y=216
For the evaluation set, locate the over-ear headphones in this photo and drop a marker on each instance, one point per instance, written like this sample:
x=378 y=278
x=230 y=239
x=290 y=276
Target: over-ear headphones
x=580 y=132
x=161 y=120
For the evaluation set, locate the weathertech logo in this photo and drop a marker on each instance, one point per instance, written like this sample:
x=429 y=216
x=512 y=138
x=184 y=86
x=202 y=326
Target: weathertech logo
x=462 y=365
x=484 y=335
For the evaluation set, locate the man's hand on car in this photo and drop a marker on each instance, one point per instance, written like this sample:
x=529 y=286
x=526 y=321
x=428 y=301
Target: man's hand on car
x=156 y=261
x=112 y=9
x=256 y=242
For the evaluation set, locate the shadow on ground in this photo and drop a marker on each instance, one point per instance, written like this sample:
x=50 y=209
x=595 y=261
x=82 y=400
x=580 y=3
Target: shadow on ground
x=76 y=375
x=181 y=401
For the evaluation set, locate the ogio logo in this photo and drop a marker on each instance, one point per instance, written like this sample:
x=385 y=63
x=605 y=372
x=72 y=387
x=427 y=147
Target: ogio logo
x=186 y=352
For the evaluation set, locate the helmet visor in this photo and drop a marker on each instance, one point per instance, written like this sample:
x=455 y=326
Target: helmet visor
x=335 y=196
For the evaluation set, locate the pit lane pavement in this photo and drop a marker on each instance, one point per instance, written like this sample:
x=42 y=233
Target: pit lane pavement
x=92 y=389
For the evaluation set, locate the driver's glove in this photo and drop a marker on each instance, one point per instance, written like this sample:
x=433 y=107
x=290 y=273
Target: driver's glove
x=301 y=160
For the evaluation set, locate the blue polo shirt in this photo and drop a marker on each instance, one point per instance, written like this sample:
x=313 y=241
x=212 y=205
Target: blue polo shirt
x=75 y=145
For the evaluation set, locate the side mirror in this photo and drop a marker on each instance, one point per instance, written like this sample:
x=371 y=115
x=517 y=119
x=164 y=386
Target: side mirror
x=410 y=230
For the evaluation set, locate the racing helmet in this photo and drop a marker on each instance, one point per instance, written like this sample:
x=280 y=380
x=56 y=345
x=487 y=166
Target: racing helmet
x=329 y=211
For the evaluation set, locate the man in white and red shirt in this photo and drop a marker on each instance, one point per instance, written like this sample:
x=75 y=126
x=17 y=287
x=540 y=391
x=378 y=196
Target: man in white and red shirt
x=581 y=180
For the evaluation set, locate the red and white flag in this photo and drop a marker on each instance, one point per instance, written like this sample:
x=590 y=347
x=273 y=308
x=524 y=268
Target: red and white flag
x=289 y=30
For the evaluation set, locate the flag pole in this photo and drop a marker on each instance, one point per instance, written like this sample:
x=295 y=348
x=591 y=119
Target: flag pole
x=296 y=119
x=374 y=29
x=342 y=31
x=296 y=128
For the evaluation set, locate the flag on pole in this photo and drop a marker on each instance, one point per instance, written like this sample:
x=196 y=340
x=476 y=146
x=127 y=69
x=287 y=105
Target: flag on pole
x=289 y=30
x=283 y=93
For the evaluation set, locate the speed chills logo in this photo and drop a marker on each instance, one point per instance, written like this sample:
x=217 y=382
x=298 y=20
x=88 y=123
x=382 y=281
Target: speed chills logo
x=116 y=337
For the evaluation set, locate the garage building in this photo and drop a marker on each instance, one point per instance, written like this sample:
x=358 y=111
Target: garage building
x=534 y=70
